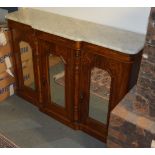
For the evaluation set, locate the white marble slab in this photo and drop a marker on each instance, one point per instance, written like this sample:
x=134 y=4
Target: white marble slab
x=80 y=30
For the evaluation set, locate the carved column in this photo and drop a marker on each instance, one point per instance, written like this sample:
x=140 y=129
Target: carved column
x=76 y=82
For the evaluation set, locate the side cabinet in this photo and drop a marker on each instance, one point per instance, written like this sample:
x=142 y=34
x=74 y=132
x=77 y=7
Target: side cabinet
x=26 y=62
x=106 y=76
x=76 y=83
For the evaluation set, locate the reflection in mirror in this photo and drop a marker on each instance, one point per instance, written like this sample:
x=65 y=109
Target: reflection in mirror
x=57 y=79
x=99 y=94
x=27 y=64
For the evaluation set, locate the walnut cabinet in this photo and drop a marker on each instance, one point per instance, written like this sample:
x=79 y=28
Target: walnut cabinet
x=77 y=83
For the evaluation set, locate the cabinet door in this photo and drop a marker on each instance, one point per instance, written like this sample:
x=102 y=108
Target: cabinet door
x=97 y=84
x=57 y=81
x=26 y=62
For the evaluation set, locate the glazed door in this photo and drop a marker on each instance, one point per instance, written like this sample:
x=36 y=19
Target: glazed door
x=26 y=62
x=96 y=94
x=57 y=81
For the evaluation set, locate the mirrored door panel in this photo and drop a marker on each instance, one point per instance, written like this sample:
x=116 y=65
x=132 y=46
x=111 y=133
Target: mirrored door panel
x=27 y=64
x=99 y=94
x=57 y=79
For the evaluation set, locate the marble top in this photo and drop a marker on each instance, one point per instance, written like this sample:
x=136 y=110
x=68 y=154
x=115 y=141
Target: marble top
x=80 y=30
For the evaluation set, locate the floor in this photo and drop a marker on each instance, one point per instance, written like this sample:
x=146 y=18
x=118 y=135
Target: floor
x=27 y=127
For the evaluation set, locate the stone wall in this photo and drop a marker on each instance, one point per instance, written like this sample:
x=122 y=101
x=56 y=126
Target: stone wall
x=132 y=122
x=146 y=81
x=130 y=126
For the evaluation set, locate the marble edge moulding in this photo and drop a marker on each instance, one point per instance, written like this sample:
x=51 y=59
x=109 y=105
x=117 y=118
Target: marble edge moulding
x=79 y=30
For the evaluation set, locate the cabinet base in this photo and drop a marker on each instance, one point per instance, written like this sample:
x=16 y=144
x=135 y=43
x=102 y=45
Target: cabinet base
x=60 y=118
x=75 y=126
x=94 y=133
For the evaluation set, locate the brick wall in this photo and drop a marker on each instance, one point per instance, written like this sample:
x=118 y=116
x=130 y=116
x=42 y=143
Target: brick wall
x=146 y=81
x=132 y=122
x=130 y=127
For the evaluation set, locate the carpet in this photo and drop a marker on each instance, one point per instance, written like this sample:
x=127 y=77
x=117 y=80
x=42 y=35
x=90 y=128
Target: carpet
x=6 y=143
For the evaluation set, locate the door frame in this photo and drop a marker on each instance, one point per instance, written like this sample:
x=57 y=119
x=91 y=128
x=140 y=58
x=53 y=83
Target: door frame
x=21 y=32
x=62 y=114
